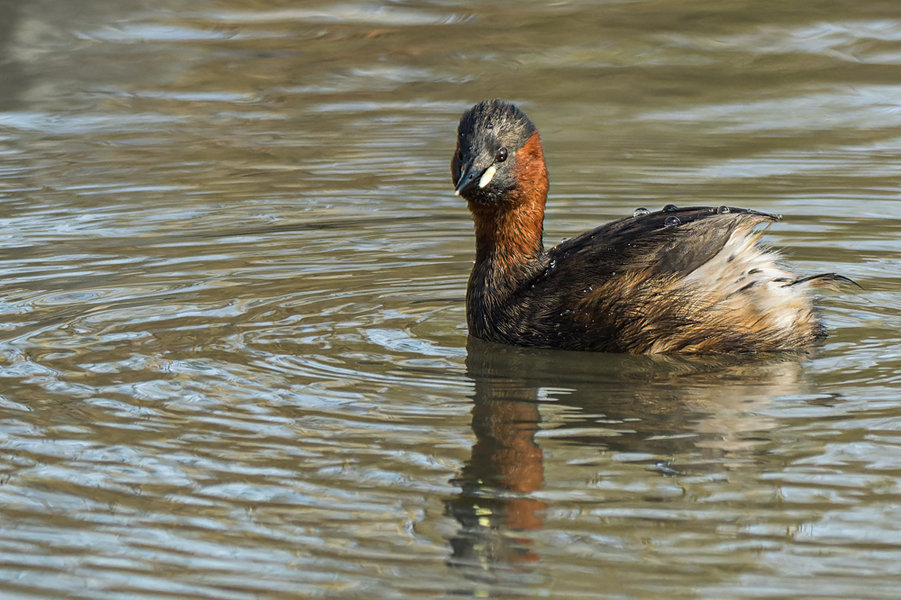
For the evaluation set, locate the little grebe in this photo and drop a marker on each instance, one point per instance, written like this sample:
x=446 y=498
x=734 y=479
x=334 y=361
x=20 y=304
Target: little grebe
x=689 y=280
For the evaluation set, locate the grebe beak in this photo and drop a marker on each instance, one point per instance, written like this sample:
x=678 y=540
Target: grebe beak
x=473 y=176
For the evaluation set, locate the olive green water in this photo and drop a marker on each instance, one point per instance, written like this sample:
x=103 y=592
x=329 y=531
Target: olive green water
x=234 y=357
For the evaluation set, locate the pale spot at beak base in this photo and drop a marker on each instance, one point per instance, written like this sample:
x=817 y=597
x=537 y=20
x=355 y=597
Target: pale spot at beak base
x=487 y=176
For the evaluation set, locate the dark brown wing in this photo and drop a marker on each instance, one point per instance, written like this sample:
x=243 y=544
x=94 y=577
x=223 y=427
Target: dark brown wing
x=673 y=241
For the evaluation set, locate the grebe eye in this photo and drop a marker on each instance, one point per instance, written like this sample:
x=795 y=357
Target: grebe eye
x=501 y=155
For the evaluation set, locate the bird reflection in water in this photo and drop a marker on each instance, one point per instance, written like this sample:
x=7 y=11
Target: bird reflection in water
x=495 y=507
x=687 y=414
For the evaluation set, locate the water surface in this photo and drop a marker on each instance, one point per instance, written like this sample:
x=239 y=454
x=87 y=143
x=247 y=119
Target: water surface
x=233 y=343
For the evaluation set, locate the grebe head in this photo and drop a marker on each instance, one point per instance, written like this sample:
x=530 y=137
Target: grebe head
x=497 y=145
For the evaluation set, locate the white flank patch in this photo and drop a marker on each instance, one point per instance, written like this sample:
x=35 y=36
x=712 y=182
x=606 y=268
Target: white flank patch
x=487 y=176
x=742 y=262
